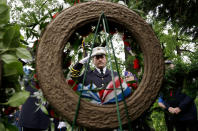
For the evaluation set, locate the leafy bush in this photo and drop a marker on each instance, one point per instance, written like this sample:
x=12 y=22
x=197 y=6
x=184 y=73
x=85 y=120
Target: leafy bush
x=12 y=52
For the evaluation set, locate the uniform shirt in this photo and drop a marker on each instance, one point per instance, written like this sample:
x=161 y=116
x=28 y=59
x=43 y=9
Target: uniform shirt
x=93 y=76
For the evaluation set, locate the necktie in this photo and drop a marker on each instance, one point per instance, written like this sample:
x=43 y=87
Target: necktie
x=101 y=71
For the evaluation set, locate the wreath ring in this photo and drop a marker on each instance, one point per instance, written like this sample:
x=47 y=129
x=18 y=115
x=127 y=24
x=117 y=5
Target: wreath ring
x=54 y=85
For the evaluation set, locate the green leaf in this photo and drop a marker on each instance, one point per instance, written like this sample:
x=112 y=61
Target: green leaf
x=76 y=44
x=43 y=108
x=1 y=45
x=23 y=54
x=12 y=36
x=3 y=2
x=13 y=69
x=35 y=19
x=43 y=25
x=1 y=35
x=24 y=42
x=4 y=14
x=44 y=18
x=10 y=127
x=2 y=127
x=9 y=35
x=8 y=70
x=18 y=99
x=7 y=58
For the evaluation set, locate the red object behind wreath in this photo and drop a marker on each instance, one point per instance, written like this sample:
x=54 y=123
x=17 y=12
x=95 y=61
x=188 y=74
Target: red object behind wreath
x=52 y=113
x=75 y=2
x=54 y=16
x=136 y=64
x=9 y=110
x=134 y=85
x=36 y=81
x=126 y=43
x=73 y=84
x=35 y=43
x=37 y=86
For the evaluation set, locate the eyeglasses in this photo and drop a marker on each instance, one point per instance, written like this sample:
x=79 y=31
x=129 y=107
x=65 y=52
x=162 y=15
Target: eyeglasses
x=99 y=56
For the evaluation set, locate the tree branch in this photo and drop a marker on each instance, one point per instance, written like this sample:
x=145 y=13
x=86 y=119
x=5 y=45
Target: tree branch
x=185 y=50
x=187 y=40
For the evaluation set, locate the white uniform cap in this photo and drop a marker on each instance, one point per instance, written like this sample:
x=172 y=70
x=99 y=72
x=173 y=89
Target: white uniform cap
x=168 y=62
x=99 y=51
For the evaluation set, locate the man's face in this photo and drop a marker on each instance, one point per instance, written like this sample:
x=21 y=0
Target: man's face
x=100 y=61
x=169 y=66
x=130 y=78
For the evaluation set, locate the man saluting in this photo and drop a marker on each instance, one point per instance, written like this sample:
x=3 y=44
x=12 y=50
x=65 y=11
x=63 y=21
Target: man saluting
x=100 y=76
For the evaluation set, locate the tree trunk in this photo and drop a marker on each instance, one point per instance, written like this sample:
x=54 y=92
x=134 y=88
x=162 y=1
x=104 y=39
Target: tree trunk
x=178 y=50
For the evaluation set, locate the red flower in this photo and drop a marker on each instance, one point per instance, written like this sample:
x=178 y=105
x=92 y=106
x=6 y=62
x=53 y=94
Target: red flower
x=54 y=16
x=75 y=2
x=112 y=32
x=136 y=64
x=37 y=86
x=126 y=43
x=36 y=81
x=73 y=84
x=134 y=85
x=35 y=76
x=75 y=87
x=124 y=38
x=52 y=113
x=129 y=84
x=9 y=110
x=36 y=43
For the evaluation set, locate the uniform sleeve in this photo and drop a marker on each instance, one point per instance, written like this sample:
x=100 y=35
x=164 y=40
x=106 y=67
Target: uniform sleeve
x=185 y=102
x=160 y=100
x=75 y=71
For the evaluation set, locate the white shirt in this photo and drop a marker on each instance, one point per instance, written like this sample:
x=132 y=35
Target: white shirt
x=61 y=124
x=104 y=70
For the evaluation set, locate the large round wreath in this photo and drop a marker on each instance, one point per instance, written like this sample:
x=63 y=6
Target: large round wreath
x=54 y=85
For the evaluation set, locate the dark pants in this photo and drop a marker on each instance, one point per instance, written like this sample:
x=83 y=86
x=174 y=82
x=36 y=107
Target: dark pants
x=190 y=125
x=169 y=122
x=31 y=129
x=63 y=129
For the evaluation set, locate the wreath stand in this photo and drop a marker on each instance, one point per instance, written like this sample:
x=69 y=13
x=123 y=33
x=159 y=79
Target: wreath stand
x=64 y=99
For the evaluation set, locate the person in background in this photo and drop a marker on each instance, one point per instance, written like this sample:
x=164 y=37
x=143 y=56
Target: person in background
x=16 y=118
x=180 y=109
x=32 y=118
x=167 y=115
